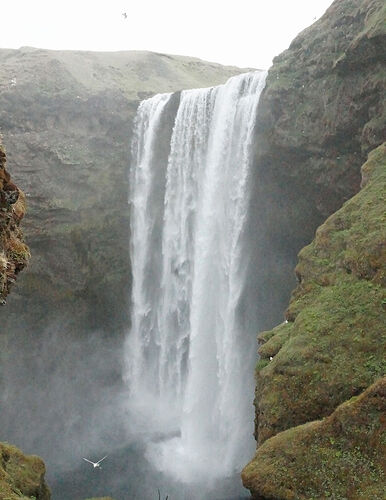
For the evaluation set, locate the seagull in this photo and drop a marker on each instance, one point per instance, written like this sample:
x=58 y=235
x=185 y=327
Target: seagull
x=124 y=15
x=95 y=464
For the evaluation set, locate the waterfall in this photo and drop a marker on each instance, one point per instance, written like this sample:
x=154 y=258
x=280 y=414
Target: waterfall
x=190 y=353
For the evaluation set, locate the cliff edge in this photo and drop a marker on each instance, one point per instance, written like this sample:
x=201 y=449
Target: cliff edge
x=321 y=117
x=329 y=351
x=321 y=113
x=21 y=476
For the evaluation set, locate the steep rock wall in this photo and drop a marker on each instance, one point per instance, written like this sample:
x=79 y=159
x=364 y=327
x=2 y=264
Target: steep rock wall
x=66 y=117
x=21 y=476
x=322 y=111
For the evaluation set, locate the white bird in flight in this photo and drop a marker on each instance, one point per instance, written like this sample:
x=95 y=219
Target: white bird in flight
x=95 y=464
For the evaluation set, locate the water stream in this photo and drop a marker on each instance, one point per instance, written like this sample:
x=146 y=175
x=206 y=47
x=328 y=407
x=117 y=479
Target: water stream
x=190 y=351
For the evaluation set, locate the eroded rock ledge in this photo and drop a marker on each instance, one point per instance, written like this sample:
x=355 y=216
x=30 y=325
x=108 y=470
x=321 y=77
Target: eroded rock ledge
x=14 y=253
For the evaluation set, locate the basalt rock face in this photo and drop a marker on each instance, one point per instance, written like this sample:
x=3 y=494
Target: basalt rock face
x=321 y=113
x=21 y=476
x=14 y=253
x=323 y=109
x=339 y=457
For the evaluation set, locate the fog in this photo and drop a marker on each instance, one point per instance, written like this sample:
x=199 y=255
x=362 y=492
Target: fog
x=62 y=398
x=63 y=389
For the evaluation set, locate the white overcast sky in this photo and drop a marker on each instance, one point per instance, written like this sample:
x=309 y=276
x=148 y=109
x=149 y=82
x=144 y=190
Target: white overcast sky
x=239 y=32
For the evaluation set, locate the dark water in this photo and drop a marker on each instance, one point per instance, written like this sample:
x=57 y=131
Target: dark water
x=63 y=398
x=127 y=475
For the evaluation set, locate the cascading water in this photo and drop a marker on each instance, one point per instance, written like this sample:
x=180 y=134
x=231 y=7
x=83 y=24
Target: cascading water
x=190 y=354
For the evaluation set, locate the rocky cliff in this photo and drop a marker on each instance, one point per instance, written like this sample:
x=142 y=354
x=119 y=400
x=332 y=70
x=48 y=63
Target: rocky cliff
x=66 y=118
x=14 y=253
x=21 y=476
x=322 y=113
x=340 y=457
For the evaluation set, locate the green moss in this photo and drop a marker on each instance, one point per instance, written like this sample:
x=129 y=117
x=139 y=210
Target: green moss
x=332 y=347
x=340 y=457
x=21 y=476
x=262 y=363
x=273 y=343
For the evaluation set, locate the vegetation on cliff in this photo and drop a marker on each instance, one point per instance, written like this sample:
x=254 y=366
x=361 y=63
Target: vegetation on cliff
x=332 y=347
x=14 y=253
x=330 y=350
x=21 y=476
x=322 y=113
x=340 y=457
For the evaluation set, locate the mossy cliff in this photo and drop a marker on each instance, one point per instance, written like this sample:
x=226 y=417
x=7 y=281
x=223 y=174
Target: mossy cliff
x=340 y=457
x=14 y=253
x=21 y=476
x=321 y=113
x=330 y=349
x=321 y=116
x=323 y=109
x=66 y=118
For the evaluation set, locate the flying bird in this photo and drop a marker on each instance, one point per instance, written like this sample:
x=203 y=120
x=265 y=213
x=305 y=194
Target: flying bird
x=124 y=15
x=95 y=464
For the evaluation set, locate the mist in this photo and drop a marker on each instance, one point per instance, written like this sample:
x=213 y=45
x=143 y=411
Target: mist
x=66 y=393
